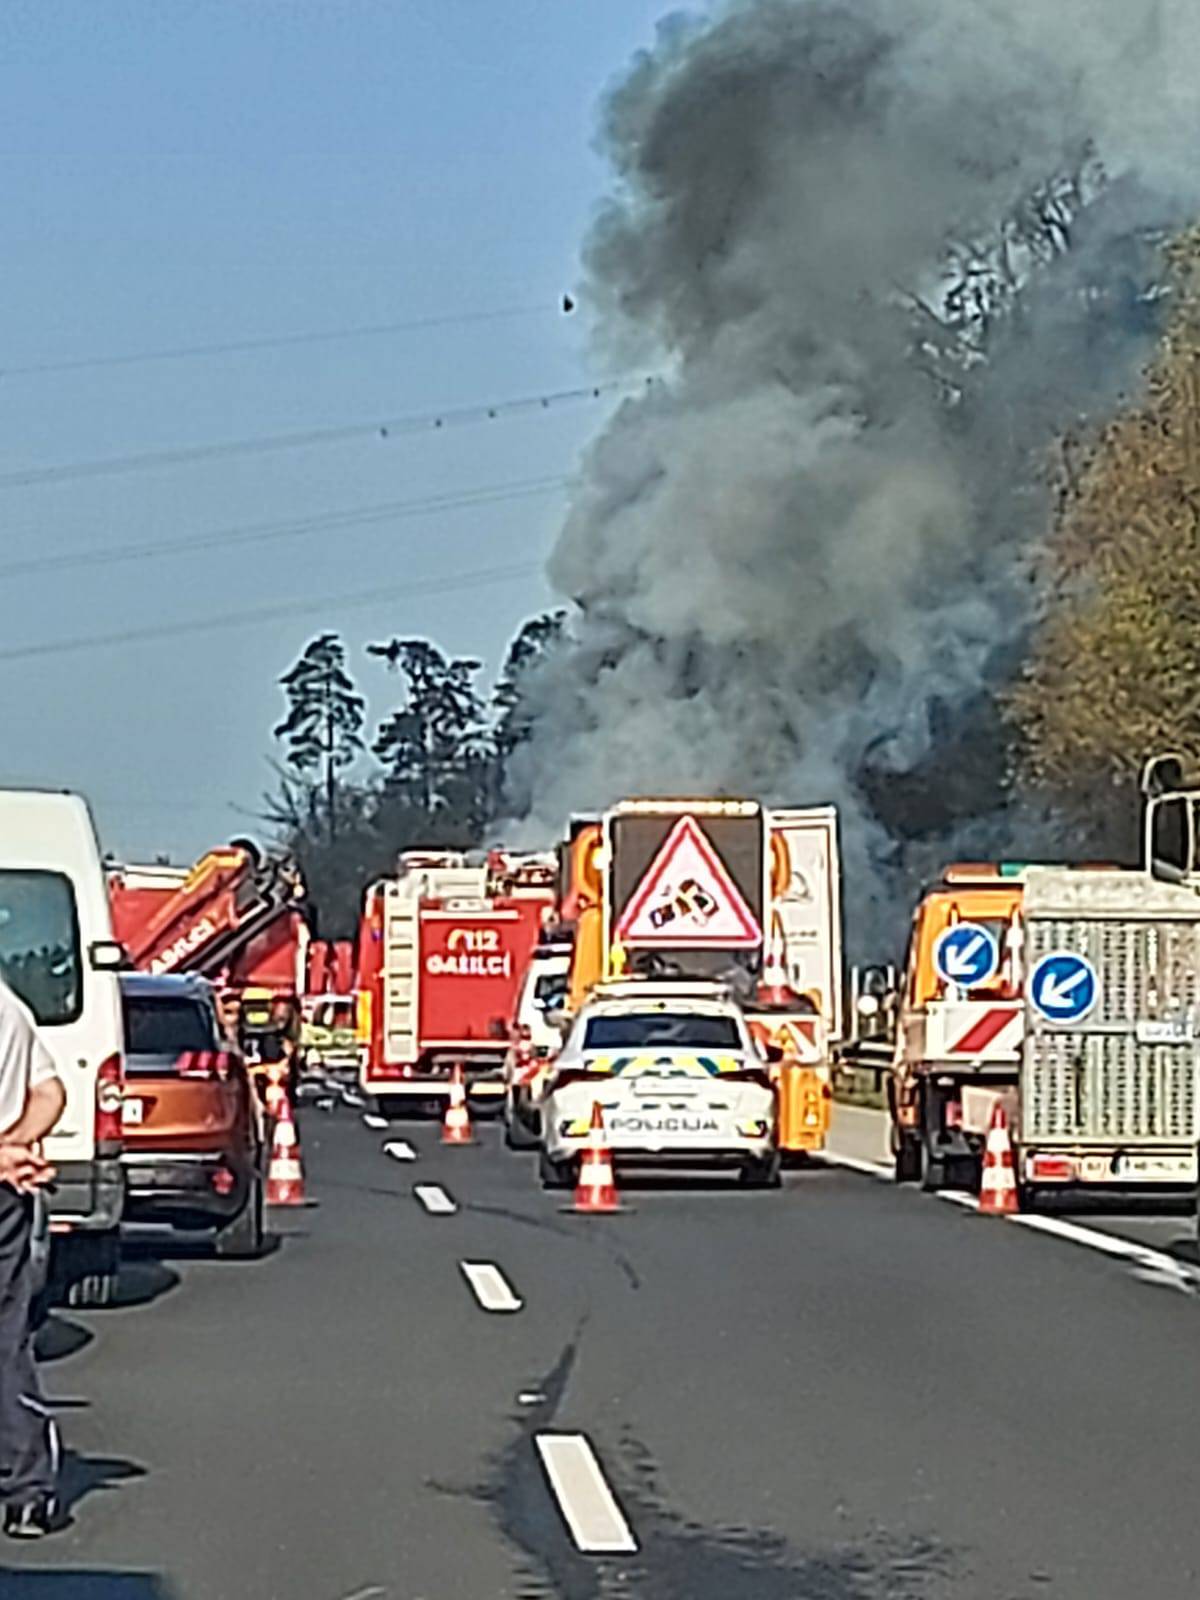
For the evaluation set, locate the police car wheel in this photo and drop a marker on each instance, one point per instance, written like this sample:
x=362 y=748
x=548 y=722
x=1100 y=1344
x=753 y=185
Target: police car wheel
x=517 y=1133
x=763 y=1174
x=555 y=1174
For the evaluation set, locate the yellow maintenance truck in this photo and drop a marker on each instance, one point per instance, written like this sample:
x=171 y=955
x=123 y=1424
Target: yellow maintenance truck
x=727 y=891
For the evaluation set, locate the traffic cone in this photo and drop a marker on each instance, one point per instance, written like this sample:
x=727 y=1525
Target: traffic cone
x=285 y=1175
x=456 y=1126
x=998 y=1191
x=774 y=988
x=276 y=1100
x=596 y=1189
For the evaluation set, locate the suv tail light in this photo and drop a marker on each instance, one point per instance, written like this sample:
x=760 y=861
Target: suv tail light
x=110 y=1096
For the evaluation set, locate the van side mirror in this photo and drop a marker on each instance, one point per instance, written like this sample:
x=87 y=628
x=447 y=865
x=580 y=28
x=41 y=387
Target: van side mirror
x=106 y=955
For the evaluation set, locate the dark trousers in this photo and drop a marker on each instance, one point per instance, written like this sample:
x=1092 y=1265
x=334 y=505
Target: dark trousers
x=28 y=1438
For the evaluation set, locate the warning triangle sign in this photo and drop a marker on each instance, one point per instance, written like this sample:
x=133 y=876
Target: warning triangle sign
x=688 y=899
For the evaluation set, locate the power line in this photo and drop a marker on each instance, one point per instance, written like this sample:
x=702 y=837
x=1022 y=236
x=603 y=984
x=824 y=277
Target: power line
x=283 y=608
x=279 y=531
x=455 y=416
x=272 y=342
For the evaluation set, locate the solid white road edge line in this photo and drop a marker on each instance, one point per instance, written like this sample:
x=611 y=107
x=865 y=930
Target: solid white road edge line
x=400 y=1150
x=1157 y=1265
x=1161 y=1266
x=588 y=1505
x=490 y=1287
x=873 y=1169
x=1142 y=1255
x=435 y=1199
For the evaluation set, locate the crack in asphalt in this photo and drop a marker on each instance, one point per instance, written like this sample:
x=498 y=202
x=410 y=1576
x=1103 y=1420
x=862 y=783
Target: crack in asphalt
x=678 y=1559
x=563 y=1230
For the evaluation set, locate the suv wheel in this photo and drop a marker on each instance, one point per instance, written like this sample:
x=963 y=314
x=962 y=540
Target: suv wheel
x=242 y=1238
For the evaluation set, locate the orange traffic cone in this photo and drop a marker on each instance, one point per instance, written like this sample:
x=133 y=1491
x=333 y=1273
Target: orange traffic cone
x=596 y=1189
x=998 y=1191
x=774 y=988
x=285 y=1175
x=456 y=1126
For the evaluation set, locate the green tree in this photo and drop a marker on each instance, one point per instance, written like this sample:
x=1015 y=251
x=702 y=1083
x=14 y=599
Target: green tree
x=1113 y=674
x=322 y=732
x=536 y=641
x=435 y=749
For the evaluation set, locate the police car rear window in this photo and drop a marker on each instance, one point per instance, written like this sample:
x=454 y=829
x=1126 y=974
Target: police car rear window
x=686 y=1030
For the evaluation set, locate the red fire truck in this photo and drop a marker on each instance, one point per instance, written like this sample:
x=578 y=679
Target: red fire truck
x=443 y=948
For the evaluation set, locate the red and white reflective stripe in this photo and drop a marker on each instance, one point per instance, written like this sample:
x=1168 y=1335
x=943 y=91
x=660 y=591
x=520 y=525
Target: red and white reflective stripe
x=802 y=1033
x=998 y=1028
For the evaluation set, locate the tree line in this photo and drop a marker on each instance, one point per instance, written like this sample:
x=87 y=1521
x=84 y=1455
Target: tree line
x=429 y=775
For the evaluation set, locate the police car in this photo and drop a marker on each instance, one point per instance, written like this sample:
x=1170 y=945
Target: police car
x=678 y=1078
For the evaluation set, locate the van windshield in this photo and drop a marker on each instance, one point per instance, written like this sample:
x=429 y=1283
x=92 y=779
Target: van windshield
x=39 y=944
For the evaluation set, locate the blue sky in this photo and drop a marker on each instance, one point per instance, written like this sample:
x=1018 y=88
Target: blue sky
x=189 y=172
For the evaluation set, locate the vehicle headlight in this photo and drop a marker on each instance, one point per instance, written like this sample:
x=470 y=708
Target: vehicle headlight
x=575 y=1128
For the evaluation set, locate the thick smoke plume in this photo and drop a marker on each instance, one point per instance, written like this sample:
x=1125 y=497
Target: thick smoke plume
x=880 y=252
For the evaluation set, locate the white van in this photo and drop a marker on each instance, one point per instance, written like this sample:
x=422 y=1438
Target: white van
x=57 y=952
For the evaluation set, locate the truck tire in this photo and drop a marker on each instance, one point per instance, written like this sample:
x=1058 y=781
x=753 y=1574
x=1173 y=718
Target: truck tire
x=906 y=1157
x=932 y=1168
x=242 y=1238
x=932 y=1162
x=90 y=1268
x=555 y=1174
x=906 y=1151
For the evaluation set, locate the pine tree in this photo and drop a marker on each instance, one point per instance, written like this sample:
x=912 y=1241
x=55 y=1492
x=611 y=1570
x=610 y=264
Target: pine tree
x=322 y=732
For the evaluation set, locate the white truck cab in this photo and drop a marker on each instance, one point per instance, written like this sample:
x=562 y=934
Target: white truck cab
x=58 y=954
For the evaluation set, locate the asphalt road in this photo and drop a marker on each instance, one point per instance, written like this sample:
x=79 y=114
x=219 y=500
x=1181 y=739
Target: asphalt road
x=837 y=1392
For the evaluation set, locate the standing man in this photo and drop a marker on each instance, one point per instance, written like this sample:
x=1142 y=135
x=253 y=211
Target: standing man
x=31 y=1101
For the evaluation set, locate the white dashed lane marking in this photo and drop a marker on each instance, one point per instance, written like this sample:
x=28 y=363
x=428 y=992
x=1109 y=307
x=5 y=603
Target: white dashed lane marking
x=400 y=1150
x=370 y=1120
x=589 y=1507
x=435 y=1199
x=490 y=1287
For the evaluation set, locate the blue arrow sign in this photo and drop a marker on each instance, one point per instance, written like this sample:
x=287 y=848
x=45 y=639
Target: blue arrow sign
x=1064 y=986
x=966 y=955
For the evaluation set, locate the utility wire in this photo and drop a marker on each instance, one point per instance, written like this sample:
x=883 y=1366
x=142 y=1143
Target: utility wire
x=420 y=422
x=272 y=532
x=277 y=342
x=282 y=609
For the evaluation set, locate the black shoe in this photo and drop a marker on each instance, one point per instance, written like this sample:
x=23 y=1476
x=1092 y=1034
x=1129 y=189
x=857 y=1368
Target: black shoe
x=33 y=1520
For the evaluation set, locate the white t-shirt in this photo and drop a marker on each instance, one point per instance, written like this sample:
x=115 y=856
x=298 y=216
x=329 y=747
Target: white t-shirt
x=24 y=1060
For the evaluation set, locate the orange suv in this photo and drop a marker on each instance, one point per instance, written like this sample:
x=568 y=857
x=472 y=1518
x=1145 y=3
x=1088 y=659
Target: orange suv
x=193 y=1127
